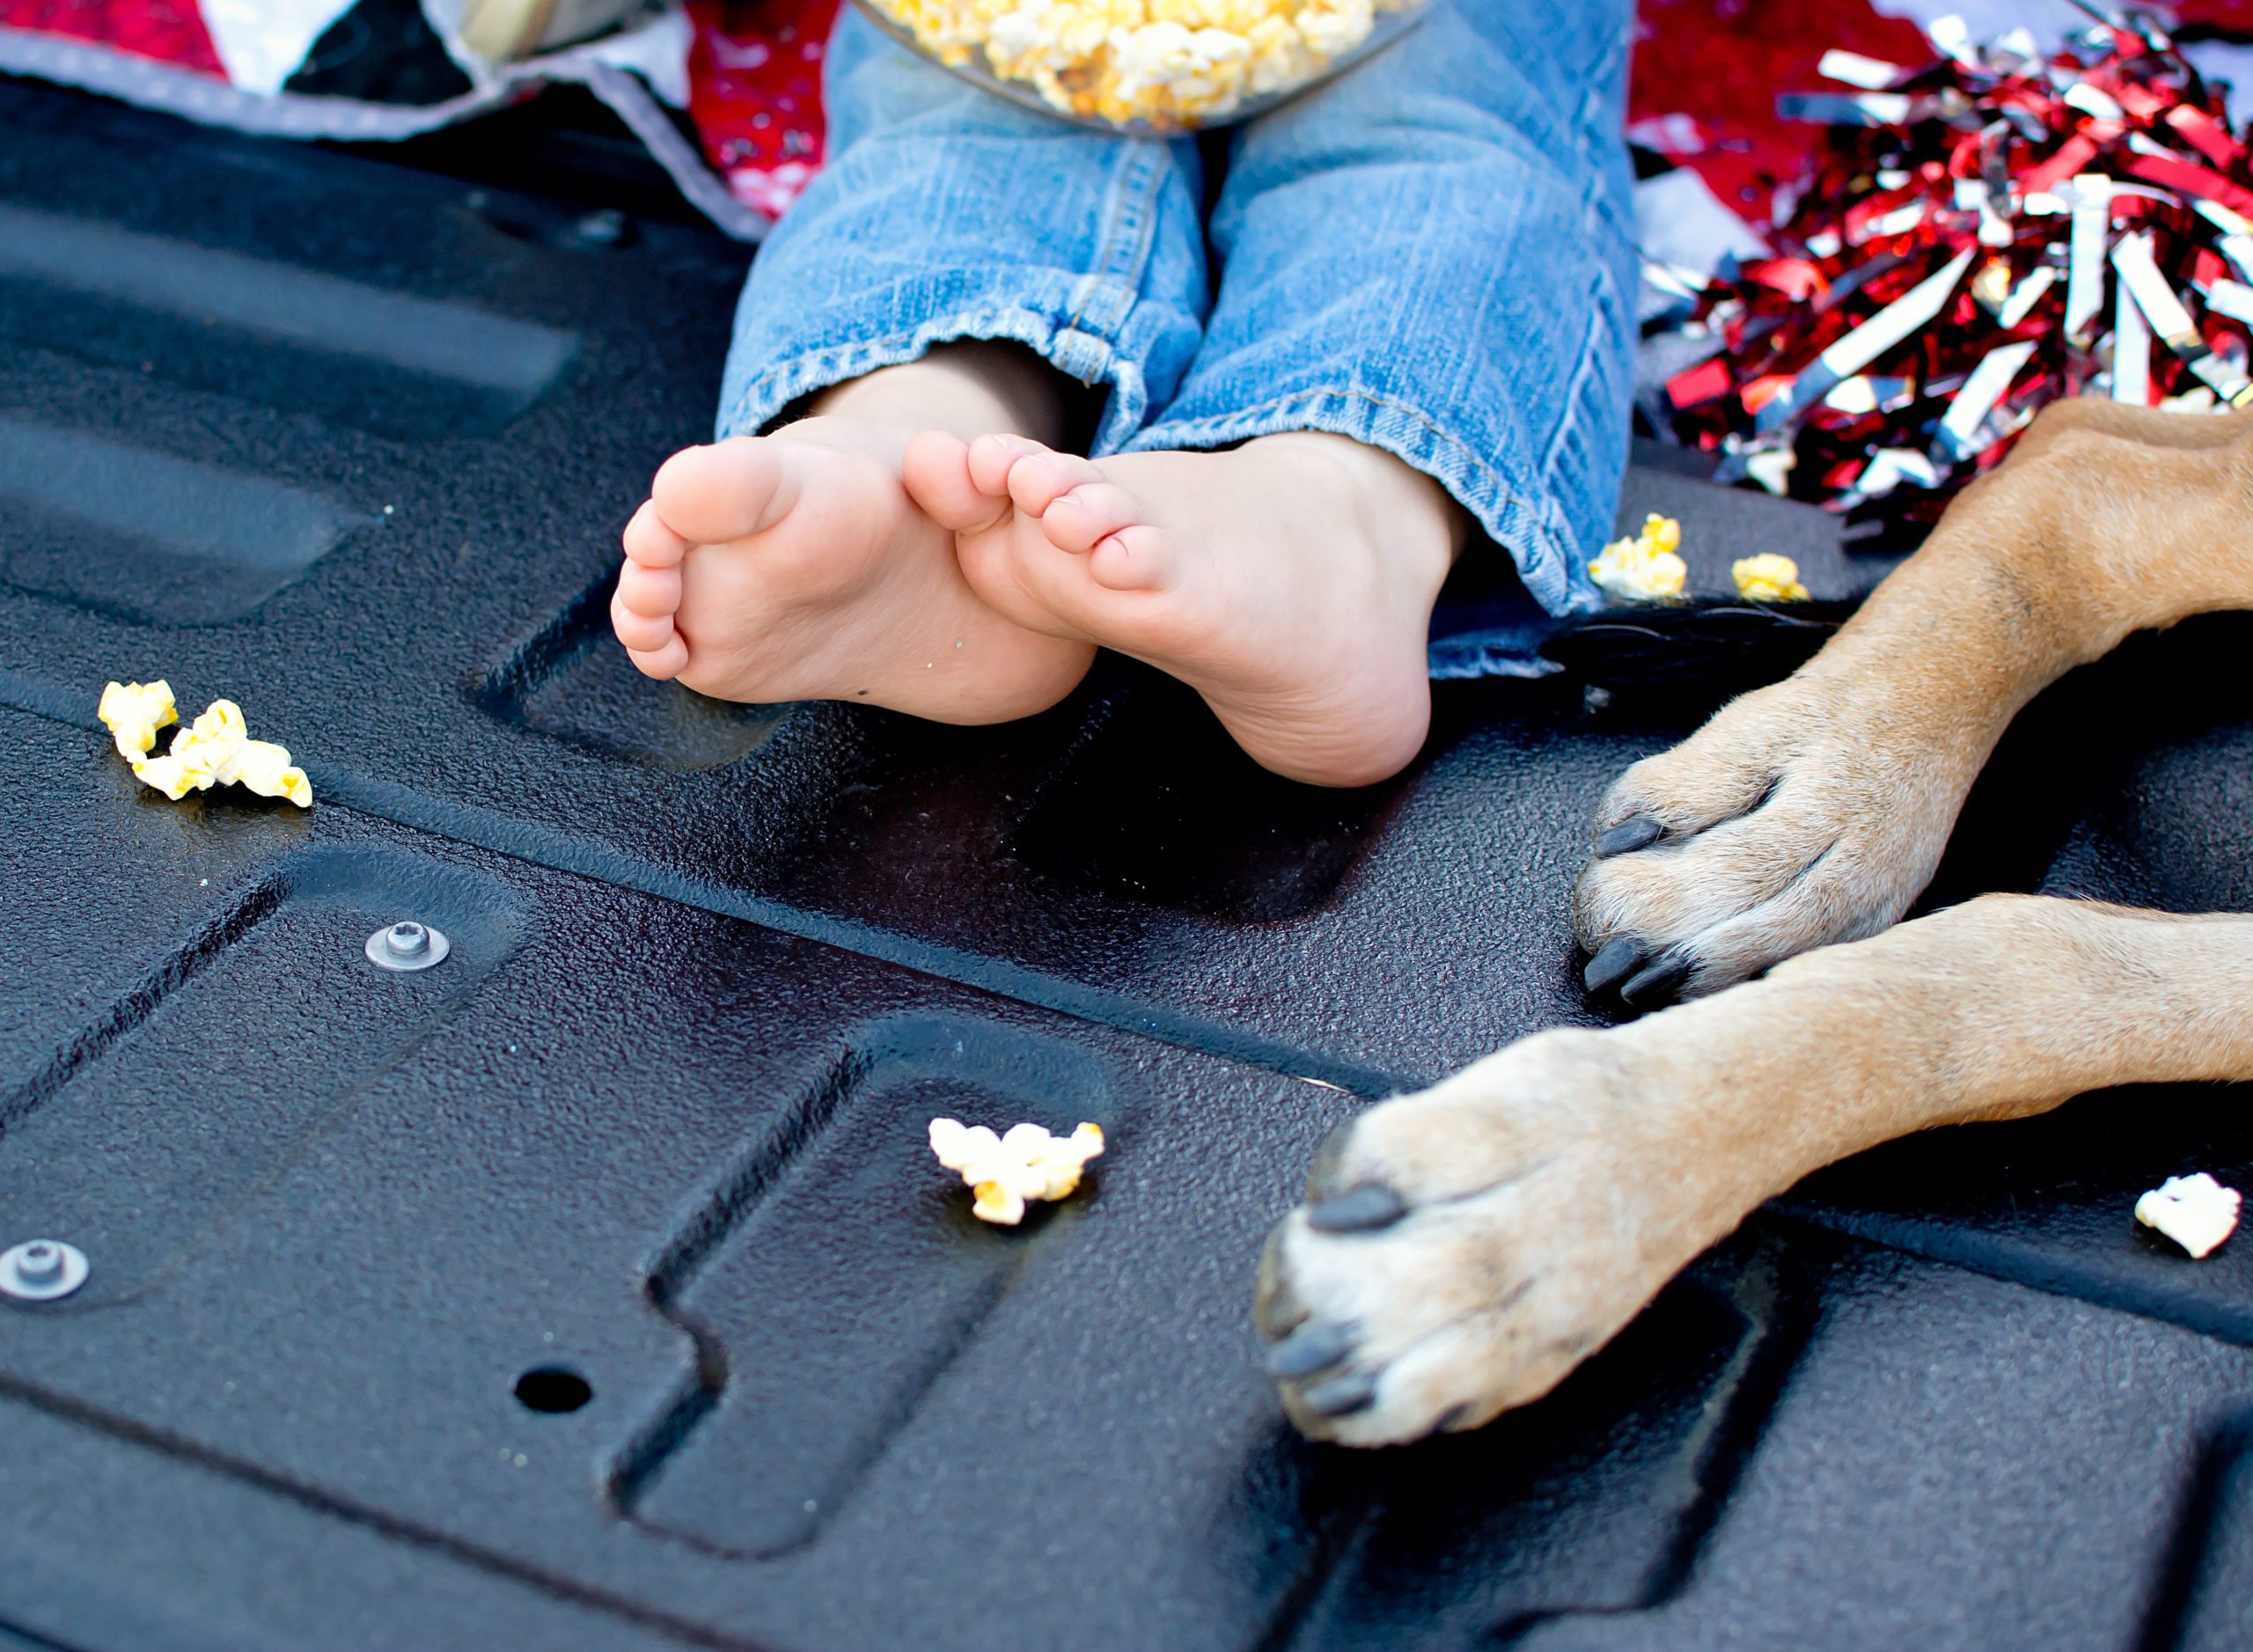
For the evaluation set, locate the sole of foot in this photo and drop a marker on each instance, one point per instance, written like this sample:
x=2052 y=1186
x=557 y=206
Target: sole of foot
x=796 y=567
x=1289 y=581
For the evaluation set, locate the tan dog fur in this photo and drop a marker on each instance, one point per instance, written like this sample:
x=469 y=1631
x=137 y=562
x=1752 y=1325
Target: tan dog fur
x=1461 y=1248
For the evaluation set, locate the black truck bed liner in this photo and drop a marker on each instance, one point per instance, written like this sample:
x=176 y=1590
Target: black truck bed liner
x=350 y=441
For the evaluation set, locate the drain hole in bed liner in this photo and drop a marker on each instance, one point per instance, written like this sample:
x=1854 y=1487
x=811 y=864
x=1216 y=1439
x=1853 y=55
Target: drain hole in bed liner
x=552 y=1390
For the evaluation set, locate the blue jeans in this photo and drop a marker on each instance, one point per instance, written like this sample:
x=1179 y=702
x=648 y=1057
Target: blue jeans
x=1431 y=254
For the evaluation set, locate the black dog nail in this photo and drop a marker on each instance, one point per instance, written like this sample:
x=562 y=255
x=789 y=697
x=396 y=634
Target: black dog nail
x=1658 y=984
x=1636 y=832
x=1341 y=1396
x=1358 y=1209
x=1310 y=1348
x=1619 y=959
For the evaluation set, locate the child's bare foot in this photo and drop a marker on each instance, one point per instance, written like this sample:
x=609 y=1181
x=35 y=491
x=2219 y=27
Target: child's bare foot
x=1289 y=581
x=795 y=567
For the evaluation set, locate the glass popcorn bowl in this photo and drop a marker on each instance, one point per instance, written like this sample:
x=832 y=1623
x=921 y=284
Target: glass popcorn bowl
x=1147 y=68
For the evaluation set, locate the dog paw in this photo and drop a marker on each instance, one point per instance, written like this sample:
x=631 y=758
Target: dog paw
x=1810 y=811
x=1460 y=1250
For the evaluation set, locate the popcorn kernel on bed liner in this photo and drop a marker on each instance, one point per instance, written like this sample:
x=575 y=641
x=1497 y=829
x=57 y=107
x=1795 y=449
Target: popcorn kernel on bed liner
x=215 y=750
x=2196 y=1211
x=1007 y=1170
x=1644 y=569
x=1767 y=577
x=133 y=713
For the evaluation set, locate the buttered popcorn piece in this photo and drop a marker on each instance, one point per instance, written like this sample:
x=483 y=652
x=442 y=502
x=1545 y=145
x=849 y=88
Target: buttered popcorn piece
x=2196 y=1211
x=215 y=750
x=1171 y=64
x=1767 y=577
x=222 y=739
x=133 y=713
x=1644 y=569
x=1007 y=1171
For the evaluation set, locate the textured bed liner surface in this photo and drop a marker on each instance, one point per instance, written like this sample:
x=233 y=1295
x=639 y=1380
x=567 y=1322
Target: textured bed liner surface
x=350 y=441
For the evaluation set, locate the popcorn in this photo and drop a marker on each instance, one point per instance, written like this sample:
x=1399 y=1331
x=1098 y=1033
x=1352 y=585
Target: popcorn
x=1767 y=577
x=175 y=774
x=1644 y=569
x=2196 y=1211
x=133 y=712
x=1007 y=1171
x=221 y=739
x=1168 y=64
x=215 y=750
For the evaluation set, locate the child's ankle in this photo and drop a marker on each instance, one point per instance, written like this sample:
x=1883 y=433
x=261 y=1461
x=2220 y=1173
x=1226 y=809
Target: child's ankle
x=968 y=389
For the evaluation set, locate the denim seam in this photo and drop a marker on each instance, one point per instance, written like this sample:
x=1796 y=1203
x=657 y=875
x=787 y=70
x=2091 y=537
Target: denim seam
x=1137 y=182
x=1113 y=207
x=1595 y=152
x=1569 y=424
x=1599 y=72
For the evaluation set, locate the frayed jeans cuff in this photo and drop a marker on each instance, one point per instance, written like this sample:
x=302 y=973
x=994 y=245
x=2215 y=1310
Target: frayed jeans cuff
x=1059 y=326
x=1525 y=521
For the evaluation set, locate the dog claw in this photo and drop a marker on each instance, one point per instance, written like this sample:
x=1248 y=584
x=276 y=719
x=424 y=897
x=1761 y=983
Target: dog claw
x=1656 y=983
x=1636 y=832
x=1341 y=1396
x=1310 y=1348
x=1358 y=1209
x=1619 y=959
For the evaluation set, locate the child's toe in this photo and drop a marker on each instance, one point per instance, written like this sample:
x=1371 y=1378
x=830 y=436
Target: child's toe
x=935 y=471
x=662 y=663
x=1081 y=519
x=1039 y=478
x=640 y=631
x=727 y=491
x=1139 y=557
x=651 y=592
x=649 y=542
x=992 y=457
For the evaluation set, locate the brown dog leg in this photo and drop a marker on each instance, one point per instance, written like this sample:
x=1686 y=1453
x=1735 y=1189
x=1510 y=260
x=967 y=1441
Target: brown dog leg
x=1815 y=810
x=1461 y=1248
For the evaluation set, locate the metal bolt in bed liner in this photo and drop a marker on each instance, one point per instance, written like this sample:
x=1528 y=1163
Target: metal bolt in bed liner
x=406 y=946
x=41 y=1270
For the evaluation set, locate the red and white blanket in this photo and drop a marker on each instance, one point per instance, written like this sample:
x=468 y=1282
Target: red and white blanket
x=747 y=74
